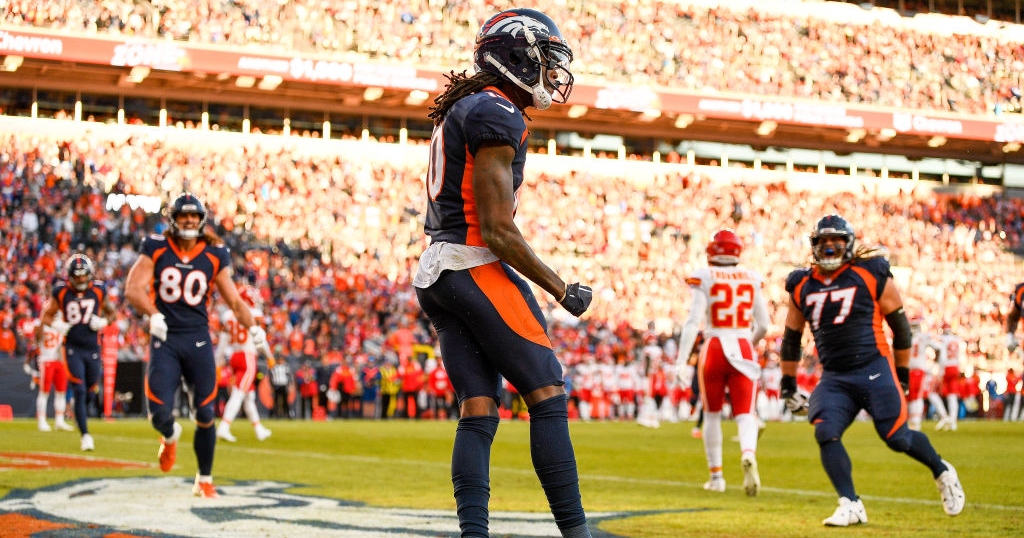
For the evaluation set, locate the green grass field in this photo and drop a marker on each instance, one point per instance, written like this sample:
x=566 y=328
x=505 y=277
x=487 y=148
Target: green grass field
x=654 y=477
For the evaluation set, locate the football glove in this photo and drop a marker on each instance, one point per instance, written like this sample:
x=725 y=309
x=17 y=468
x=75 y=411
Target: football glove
x=60 y=326
x=28 y=369
x=158 y=326
x=1011 y=342
x=258 y=337
x=795 y=399
x=97 y=323
x=903 y=376
x=577 y=299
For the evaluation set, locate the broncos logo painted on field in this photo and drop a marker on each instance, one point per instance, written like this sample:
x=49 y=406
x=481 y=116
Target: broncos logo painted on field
x=164 y=507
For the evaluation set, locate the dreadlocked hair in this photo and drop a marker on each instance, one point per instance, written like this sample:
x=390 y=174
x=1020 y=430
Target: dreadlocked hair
x=459 y=86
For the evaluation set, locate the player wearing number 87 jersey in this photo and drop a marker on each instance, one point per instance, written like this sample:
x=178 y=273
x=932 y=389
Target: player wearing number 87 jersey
x=172 y=282
x=728 y=301
x=83 y=304
x=844 y=296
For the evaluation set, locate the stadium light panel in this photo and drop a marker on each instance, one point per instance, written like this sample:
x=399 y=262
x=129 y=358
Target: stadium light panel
x=855 y=135
x=138 y=74
x=1011 y=147
x=245 y=81
x=650 y=114
x=886 y=134
x=270 y=82
x=577 y=111
x=12 y=63
x=373 y=93
x=684 y=121
x=416 y=97
x=936 y=141
x=767 y=128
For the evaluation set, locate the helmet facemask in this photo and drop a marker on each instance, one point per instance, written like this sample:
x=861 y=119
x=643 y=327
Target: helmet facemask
x=831 y=255
x=187 y=204
x=79 y=272
x=542 y=62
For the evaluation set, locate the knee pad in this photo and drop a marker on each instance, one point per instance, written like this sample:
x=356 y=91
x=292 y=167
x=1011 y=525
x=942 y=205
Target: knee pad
x=900 y=441
x=161 y=421
x=826 y=431
x=205 y=415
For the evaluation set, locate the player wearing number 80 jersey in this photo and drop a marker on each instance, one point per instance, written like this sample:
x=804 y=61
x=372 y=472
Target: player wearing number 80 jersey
x=727 y=299
x=172 y=282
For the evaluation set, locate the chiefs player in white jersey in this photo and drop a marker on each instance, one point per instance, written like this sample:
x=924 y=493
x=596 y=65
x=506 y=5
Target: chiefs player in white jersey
x=771 y=386
x=949 y=349
x=234 y=347
x=921 y=366
x=53 y=377
x=728 y=301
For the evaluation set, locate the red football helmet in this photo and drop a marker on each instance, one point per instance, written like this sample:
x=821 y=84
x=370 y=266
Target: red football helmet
x=725 y=248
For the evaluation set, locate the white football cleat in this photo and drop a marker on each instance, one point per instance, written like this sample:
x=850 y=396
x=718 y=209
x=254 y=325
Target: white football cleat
x=751 y=478
x=44 y=427
x=224 y=432
x=88 y=443
x=262 y=433
x=953 y=498
x=62 y=426
x=716 y=484
x=848 y=513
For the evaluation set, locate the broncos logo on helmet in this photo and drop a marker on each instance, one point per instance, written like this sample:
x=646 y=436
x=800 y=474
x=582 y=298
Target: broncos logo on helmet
x=829 y=257
x=79 y=271
x=526 y=47
x=186 y=203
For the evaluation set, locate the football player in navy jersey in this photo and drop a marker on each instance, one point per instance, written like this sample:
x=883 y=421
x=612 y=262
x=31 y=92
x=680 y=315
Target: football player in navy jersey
x=844 y=296
x=172 y=283
x=85 y=308
x=487 y=319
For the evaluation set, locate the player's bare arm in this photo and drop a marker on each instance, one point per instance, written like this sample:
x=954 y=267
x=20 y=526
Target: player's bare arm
x=228 y=291
x=138 y=284
x=46 y=318
x=492 y=183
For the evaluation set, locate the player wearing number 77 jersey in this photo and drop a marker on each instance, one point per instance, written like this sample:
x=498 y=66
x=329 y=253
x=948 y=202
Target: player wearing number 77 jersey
x=728 y=300
x=844 y=296
x=172 y=282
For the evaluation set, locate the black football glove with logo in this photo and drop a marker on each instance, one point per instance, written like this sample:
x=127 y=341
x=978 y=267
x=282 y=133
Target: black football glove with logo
x=577 y=299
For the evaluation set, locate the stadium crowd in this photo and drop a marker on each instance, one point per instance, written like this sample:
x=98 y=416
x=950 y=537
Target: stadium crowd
x=826 y=51
x=331 y=239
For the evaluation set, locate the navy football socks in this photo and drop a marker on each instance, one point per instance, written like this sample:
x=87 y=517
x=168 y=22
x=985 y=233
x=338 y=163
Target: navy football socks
x=555 y=463
x=838 y=467
x=471 y=459
x=203 y=443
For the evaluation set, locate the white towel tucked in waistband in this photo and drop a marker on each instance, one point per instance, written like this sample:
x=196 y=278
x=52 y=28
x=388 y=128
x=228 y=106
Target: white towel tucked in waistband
x=449 y=257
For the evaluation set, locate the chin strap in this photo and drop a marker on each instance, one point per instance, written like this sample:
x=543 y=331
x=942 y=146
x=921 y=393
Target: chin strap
x=541 y=98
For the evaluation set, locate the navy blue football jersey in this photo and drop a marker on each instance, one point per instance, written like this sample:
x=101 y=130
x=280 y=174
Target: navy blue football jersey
x=78 y=308
x=485 y=116
x=1017 y=299
x=843 y=312
x=183 y=281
